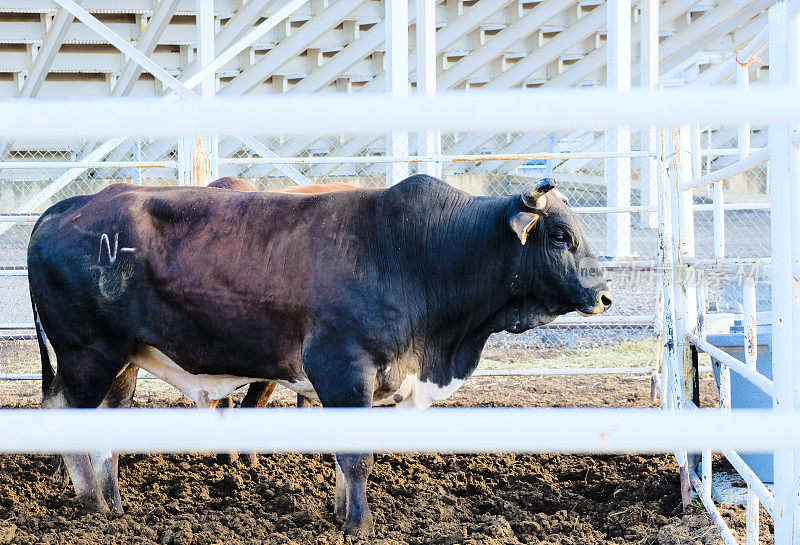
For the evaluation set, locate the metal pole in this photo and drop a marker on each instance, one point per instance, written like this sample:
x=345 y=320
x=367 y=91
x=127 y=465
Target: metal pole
x=185 y=160
x=429 y=141
x=719 y=220
x=206 y=153
x=618 y=171
x=784 y=293
x=397 y=81
x=650 y=79
x=749 y=321
x=683 y=288
x=137 y=156
x=793 y=79
x=743 y=130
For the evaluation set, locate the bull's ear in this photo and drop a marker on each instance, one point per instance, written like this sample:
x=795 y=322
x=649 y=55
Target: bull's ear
x=522 y=223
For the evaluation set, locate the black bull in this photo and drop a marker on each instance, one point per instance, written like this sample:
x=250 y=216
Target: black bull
x=357 y=298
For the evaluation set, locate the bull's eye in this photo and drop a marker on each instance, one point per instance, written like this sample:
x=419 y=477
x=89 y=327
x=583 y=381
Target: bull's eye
x=561 y=239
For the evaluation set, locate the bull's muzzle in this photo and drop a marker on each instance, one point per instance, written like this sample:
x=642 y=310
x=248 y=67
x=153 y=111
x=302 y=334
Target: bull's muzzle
x=602 y=305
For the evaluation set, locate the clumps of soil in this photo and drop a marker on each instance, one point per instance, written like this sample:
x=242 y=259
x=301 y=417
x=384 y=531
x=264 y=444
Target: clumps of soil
x=416 y=499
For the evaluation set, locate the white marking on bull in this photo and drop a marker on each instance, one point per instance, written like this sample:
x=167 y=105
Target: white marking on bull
x=199 y=388
x=425 y=393
x=112 y=256
x=416 y=394
x=301 y=386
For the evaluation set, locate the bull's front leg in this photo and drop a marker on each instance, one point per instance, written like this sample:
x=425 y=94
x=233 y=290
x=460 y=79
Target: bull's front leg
x=355 y=468
x=345 y=379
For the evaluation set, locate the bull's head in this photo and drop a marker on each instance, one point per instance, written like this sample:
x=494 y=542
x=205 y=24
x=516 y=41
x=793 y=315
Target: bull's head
x=562 y=272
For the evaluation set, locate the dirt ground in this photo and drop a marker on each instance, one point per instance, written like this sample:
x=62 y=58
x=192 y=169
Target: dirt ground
x=416 y=499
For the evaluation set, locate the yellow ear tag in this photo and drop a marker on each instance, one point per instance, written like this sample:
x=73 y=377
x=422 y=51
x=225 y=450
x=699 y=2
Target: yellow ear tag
x=527 y=229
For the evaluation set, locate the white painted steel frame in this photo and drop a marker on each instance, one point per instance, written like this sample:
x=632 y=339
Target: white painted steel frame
x=306 y=114
x=728 y=430
x=618 y=138
x=365 y=430
x=784 y=157
x=397 y=81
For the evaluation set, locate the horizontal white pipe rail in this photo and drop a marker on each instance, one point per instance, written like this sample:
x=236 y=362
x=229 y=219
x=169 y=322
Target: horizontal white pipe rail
x=333 y=114
x=757 y=379
x=738 y=167
x=86 y=164
x=17 y=325
x=566 y=321
x=569 y=371
x=474 y=158
x=400 y=430
x=20 y=218
x=726 y=151
x=576 y=371
x=16 y=218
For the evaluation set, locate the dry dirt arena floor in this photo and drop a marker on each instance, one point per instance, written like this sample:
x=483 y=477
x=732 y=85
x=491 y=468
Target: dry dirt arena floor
x=416 y=499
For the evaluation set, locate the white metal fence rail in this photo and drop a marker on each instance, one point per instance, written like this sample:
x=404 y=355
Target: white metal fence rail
x=682 y=429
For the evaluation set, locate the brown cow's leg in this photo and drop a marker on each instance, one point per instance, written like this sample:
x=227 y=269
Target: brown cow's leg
x=257 y=396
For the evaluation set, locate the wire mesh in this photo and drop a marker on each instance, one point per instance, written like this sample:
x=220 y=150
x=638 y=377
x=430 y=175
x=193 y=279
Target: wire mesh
x=582 y=181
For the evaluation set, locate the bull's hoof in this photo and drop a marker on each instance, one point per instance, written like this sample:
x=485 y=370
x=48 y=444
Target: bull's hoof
x=60 y=475
x=340 y=513
x=360 y=528
x=250 y=459
x=95 y=503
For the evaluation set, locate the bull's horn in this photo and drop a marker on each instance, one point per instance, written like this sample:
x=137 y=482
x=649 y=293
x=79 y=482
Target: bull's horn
x=535 y=190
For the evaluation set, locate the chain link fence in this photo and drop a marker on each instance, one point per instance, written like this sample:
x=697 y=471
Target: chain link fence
x=360 y=160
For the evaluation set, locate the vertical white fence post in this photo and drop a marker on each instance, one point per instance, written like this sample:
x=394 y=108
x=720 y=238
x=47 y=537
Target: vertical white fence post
x=618 y=169
x=752 y=518
x=428 y=141
x=784 y=209
x=743 y=130
x=719 y=219
x=206 y=148
x=397 y=82
x=649 y=137
x=684 y=289
x=676 y=291
x=749 y=321
x=185 y=145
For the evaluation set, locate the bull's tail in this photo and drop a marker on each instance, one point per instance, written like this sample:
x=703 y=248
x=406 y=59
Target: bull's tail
x=48 y=373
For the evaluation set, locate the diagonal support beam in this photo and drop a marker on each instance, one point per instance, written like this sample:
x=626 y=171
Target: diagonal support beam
x=47 y=53
x=715 y=23
x=291 y=47
x=246 y=41
x=597 y=58
x=549 y=51
x=288 y=171
x=147 y=44
x=236 y=27
x=495 y=47
x=126 y=48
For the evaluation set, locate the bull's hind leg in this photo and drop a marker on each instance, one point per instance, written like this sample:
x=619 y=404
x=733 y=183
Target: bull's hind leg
x=106 y=464
x=345 y=380
x=83 y=379
x=79 y=466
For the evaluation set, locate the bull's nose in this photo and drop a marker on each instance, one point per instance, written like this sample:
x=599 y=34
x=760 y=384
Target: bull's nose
x=605 y=299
